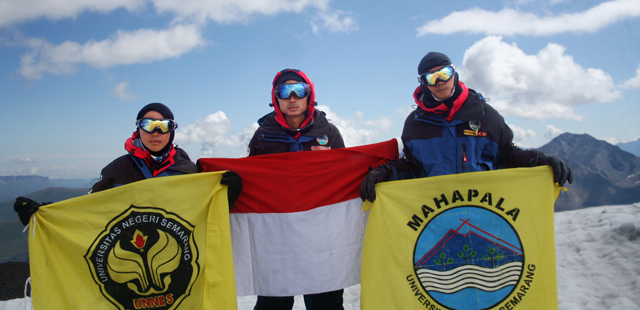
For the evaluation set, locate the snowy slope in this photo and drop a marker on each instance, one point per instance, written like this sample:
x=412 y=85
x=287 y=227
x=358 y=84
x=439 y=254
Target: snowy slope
x=598 y=259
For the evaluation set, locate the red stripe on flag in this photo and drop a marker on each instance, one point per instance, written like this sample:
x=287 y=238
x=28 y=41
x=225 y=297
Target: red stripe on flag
x=301 y=181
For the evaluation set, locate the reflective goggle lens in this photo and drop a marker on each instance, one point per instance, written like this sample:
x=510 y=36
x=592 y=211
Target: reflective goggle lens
x=284 y=91
x=431 y=78
x=162 y=125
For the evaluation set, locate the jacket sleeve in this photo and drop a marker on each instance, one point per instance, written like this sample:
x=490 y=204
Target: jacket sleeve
x=252 y=151
x=337 y=141
x=511 y=156
x=101 y=184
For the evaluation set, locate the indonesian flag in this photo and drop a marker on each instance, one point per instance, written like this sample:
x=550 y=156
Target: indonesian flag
x=297 y=227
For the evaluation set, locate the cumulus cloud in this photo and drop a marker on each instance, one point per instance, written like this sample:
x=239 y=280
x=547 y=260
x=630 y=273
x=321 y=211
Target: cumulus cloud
x=212 y=133
x=521 y=136
x=23 y=160
x=17 y=11
x=357 y=130
x=552 y=132
x=633 y=82
x=542 y=86
x=122 y=91
x=125 y=47
x=335 y=21
x=512 y=22
x=237 y=11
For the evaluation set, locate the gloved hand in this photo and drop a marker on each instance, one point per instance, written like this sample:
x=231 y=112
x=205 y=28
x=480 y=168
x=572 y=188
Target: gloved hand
x=379 y=174
x=561 y=171
x=234 y=182
x=25 y=208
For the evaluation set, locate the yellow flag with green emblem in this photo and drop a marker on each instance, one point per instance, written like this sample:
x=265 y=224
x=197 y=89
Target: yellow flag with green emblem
x=481 y=240
x=161 y=243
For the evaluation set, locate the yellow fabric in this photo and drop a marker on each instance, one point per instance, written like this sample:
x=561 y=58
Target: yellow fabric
x=161 y=243
x=428 y=246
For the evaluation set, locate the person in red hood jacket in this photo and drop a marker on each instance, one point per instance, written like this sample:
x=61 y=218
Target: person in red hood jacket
x=295 y=125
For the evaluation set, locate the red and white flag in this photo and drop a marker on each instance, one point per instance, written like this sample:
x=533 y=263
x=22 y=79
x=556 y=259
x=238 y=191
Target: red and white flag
x=297 y=227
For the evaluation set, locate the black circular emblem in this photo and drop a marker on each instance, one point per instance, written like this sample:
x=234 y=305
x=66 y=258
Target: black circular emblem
x=145 y=258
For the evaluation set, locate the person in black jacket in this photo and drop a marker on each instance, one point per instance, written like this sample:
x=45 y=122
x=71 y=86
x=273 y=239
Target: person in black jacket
x=453 y=130
x=295 y=125
x=151 y=153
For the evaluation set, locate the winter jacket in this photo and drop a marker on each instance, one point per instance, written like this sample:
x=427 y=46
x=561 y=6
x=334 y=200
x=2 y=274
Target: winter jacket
x=475 y=138
x=272 y=138
x=139 y=165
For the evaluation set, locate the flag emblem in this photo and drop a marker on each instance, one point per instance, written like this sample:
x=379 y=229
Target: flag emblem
x=468 y=257
x=145 y=258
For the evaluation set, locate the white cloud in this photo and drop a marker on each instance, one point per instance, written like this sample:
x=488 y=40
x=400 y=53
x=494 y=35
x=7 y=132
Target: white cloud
x=543 y=86
x=17 y=11
x=552 y=132
x=122 y=91
x=633 y=82
x=23 y=160
x=211 y=132
x=234 y=11
x=357 y=130
x=140 y=46
x=512 y=22
x=521 y=136
x=335 y=21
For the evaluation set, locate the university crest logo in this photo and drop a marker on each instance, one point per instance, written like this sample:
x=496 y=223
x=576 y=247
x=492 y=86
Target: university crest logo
x=146 y=258
x=468 y=257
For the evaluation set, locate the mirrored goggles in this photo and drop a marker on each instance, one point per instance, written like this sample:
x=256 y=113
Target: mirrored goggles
x=151 y=125
x=431 y=78
x=284 y=91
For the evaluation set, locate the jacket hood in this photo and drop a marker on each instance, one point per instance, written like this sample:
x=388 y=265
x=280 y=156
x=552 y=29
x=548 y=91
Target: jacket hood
x=311 y=100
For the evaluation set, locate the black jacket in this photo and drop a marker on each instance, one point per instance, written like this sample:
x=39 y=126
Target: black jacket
x=272 y=138
x=126 y=168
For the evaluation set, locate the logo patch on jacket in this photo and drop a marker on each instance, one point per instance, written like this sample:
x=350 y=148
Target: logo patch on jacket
x=320 y=148
x=323 y=140
x=475 y=126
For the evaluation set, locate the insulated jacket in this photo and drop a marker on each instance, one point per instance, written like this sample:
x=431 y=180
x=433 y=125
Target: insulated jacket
x=475 y=138
x=275 y=136
x=139 y=165
x=272 y=138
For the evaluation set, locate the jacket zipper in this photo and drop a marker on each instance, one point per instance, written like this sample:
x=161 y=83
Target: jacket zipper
x=464 y=158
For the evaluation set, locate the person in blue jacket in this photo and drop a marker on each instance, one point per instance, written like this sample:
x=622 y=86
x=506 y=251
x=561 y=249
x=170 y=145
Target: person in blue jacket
x=295 y=125
x=453 y=130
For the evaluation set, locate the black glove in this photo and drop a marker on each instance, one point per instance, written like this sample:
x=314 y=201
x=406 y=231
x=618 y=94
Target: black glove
x=25 y=208
x=234 y=182
x=561 y=171
x=381 y=173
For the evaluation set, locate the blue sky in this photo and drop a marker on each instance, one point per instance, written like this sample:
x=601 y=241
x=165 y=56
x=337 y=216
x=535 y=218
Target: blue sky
x=74 y=74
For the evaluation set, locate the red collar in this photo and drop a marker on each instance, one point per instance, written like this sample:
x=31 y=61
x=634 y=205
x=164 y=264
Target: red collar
x=442 y=108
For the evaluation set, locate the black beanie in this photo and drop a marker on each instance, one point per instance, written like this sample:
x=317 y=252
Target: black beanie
x=432 y=60
x=289 y=75
x=158 y=107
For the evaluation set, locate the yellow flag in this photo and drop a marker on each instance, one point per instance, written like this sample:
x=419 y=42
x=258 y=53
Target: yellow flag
x=482 y=240
x=161 y=243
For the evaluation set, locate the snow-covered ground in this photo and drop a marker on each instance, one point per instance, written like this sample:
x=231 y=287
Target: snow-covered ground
x=597 y=254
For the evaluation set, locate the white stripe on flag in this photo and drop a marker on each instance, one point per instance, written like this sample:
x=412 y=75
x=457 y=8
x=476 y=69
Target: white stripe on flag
x=275 y=254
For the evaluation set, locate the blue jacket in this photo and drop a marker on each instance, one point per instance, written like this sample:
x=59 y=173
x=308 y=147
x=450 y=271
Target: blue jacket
x=475 y=139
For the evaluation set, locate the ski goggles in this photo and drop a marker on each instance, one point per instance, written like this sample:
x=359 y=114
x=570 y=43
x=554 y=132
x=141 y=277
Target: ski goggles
x=431 y=78
x=284 y=91
x=151 y=125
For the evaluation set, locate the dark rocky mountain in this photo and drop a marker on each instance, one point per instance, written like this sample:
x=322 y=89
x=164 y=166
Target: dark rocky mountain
x=603 y=173
x=632 y=147
x=14 y=243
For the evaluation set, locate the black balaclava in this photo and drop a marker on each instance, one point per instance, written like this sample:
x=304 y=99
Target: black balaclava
x=167 y=114
x=428 y=62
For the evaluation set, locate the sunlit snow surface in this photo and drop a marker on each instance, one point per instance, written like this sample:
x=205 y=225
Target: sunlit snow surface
x=597 y=254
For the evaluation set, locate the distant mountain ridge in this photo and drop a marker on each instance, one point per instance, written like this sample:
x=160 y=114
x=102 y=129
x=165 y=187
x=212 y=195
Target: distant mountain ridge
x=603 y=174
x=19 y=185
x=632 y=147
